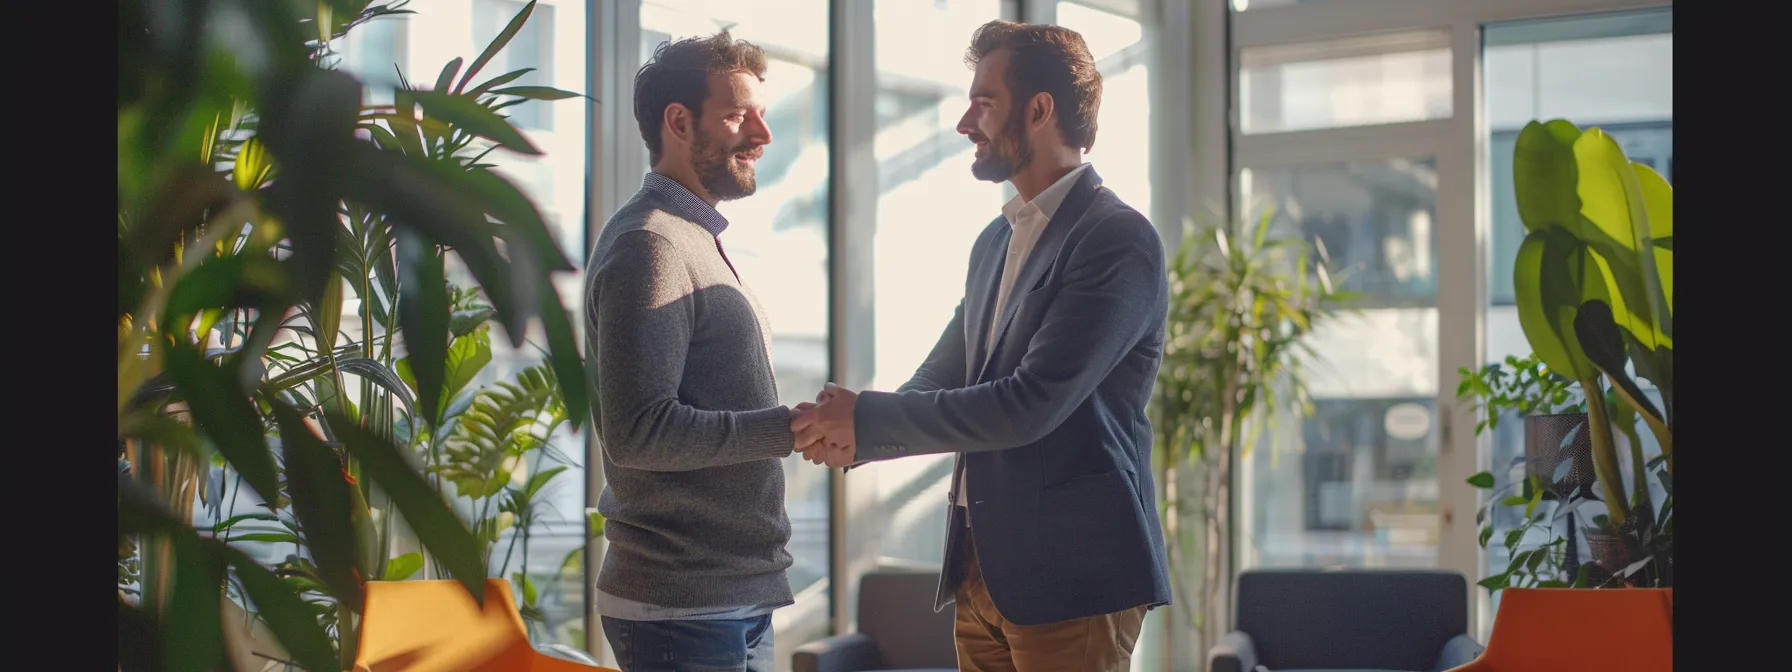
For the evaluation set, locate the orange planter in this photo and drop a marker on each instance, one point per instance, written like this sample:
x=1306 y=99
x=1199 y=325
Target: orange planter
x=1583 y=630
x=435 y=626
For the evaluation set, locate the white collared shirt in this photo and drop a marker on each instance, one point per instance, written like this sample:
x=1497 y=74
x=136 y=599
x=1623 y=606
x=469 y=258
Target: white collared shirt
x=1026 y=223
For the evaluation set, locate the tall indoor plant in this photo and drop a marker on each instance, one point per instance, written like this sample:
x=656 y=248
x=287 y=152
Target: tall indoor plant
x=1242 y=304
x=251 y=180
x=1594 y=281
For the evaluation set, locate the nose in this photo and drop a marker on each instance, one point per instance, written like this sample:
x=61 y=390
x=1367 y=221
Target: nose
x=757 y=130
x=967 y=122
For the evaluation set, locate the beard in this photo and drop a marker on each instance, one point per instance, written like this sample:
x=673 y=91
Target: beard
x=1002 y=161
x=718 y=172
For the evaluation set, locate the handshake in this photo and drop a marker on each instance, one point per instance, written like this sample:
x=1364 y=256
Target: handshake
x=824 y=429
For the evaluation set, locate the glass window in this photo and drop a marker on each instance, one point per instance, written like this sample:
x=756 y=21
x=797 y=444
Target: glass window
x=1242 y=5
x=929 y=211
x=1614 y=71
x=1377 y=79
x=778 y=240
x=1122 y=51
x=1355 y=483
x=532 y=47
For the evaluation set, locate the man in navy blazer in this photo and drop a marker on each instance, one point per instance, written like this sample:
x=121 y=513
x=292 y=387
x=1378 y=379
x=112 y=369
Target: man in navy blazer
x=1039 y=383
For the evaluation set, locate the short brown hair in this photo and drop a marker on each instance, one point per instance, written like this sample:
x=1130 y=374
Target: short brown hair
x=1049 y=59
x=679 y=73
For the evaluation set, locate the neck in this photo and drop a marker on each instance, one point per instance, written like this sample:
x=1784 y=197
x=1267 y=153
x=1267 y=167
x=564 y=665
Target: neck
x=680 y=171
x=1046 y=168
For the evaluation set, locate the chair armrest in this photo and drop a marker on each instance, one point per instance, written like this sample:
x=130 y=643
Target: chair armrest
x=1234 y=653
x=853 y=652
x=1460 y=650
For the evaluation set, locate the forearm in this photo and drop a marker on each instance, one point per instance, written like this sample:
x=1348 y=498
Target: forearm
x=665 y=435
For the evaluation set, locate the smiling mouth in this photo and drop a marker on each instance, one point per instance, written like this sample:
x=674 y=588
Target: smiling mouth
x=746 y=157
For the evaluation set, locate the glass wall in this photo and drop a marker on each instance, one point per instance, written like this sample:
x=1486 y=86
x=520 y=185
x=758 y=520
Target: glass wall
x=1614 y=71
x=1354 y=482
x=929 y=212
x=1121 y=46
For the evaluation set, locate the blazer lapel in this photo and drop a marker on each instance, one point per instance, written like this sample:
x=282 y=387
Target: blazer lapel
x=1045 y=251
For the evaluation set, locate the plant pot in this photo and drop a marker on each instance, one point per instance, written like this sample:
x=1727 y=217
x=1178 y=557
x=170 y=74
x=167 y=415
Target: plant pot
x=1609 y=551
x=1543 y=450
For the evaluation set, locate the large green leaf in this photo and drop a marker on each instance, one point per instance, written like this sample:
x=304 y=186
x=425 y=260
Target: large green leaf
x=1612 y=199
x=503 y=200
x=1603 y=343
x=1544 y=175
x=563 y=354
x=309 y=131
x=320 y=500
x=446 y=79
x=381 y=376
x=1537 y=315
x=468 y=115
x=281 y=608
x=423 y=311
x=193 y=628
x=498 y=81
x=497 y=44
x=223 y=412
x=466 y=357
x=436 y=525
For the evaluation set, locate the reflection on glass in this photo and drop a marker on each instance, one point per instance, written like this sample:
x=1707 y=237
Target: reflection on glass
x=777 y=239
x=1123 y=146
x=1358 y=81
x=929 y=211
x=1614 y=71
x=1242 y=5
x=1355 y=482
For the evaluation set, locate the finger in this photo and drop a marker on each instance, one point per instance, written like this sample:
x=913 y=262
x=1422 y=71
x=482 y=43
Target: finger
x=802 y=406
x=802 y=420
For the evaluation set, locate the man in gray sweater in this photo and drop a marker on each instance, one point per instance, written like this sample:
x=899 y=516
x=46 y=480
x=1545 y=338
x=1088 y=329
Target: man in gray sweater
x=688 y=413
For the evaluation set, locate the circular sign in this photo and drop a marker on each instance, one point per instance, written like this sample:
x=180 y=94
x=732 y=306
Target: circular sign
x=1407 y=422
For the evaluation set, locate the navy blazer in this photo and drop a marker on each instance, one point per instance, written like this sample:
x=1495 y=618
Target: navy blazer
x=1050 y=426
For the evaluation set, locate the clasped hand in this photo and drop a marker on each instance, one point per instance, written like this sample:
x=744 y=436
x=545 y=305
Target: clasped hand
x=824 y=429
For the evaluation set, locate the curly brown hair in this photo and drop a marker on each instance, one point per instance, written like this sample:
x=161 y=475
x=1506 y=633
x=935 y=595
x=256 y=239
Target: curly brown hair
x=1049 y=59
x=679 y=73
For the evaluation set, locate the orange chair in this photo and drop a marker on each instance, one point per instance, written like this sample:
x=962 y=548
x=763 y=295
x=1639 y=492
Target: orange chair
x=435 y=626
x=1584 y=630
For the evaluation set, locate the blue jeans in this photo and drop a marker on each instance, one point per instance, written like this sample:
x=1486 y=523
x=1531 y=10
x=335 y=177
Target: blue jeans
x=743 y=645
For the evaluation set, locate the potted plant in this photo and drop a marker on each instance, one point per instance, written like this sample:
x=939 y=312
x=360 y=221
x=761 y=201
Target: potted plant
x=1242 y=303
x=254 y=187
x=1594 y=280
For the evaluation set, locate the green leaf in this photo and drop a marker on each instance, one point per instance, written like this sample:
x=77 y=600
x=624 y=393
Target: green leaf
x=528 y=587
x=310 y=131
x=470 y=116
x=285 y=613
x=1582 y=577
x=193 y=627
x=1552 y=583
x=446 y=79
x=1535 y=559
x=537 y=93
x=1545 y=175
x=423 y=311
x=268 y=537
x=1535 y=314
x=320 y=500
x=436 y=525
x=223 y=412
x=253 y=167
x=497 y=44
x=540 y=479
x=1495 y=582
x=402 y=567
x=1604 y=345
x=563 y=355
x=1513 y=537
x=594 y=524
x=1486 y=533
x=238 y=280
x=1515 y=500
x=381 y=376
x=1483 y=480
x=500 y=80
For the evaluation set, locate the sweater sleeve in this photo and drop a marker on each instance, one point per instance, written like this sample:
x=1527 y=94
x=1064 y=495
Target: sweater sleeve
x=643 y=321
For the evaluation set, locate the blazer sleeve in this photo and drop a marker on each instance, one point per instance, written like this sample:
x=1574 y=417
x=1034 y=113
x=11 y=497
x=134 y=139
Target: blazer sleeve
x=1112 y=293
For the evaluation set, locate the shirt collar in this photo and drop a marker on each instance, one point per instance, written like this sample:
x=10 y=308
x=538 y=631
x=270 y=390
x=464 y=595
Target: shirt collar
x=681 y=202
x=1048 y=201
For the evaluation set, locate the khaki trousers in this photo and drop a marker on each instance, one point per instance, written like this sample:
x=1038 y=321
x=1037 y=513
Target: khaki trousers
x=987 y=642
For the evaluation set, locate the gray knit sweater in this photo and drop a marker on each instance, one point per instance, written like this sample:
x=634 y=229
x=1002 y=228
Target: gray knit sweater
x=687 y=411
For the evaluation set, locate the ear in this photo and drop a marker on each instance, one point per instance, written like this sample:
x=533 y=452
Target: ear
x=679 y=123
x=1040 y=110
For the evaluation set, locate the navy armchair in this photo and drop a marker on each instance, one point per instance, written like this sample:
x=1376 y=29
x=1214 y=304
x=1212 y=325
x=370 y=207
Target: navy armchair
x=898 y=629
x=1364 y=620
